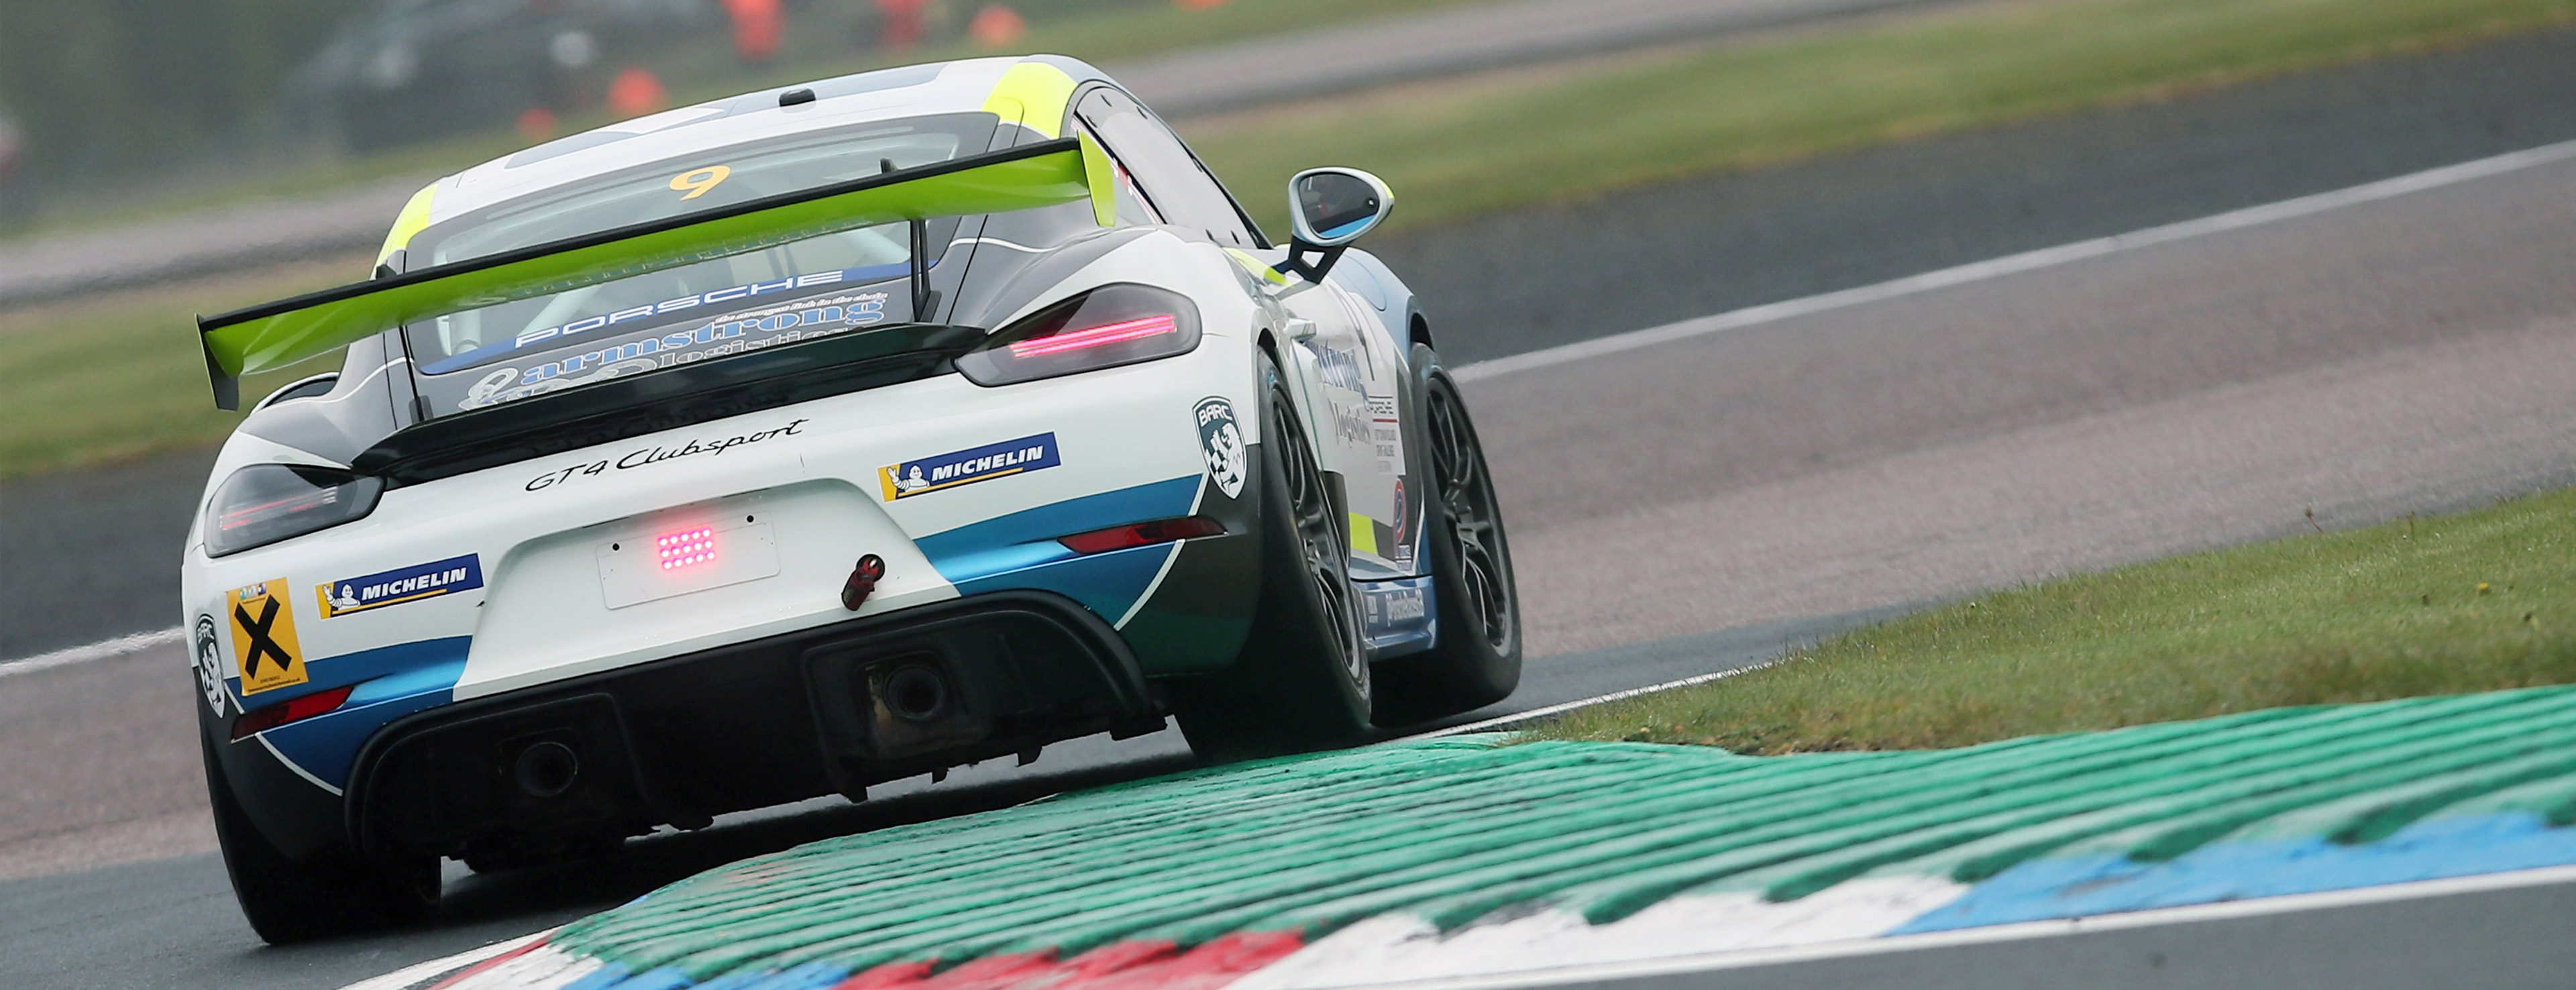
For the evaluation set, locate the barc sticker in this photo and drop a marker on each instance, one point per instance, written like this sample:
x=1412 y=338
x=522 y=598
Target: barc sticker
x=403 y=584
x=264 y=637
x=1221 y=444
x=967 y=467
x=210 y=665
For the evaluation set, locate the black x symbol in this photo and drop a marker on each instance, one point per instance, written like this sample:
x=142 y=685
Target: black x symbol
x=261 y=642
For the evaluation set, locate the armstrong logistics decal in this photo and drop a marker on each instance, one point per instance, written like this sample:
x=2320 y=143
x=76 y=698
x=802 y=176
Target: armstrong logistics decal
x=967 y=467
x=402 y=584
x=733 y=333
x=710 y=447
x=593 y=324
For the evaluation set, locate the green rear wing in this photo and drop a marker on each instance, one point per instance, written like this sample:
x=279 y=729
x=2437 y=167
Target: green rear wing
x=281 y=333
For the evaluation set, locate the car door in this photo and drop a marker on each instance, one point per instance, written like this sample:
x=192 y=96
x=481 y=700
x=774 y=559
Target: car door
x=1346 y=368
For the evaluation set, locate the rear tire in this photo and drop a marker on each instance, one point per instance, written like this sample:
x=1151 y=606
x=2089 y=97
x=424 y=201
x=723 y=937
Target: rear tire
x=336 y=894
x=1302 y=680
x=1477 y=659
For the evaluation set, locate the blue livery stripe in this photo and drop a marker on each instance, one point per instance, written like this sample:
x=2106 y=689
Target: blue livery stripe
x=393 y=681
x=1019 y=550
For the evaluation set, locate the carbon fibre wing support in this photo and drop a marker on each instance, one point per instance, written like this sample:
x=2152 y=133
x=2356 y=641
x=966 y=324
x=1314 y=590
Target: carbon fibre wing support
x=280 y=333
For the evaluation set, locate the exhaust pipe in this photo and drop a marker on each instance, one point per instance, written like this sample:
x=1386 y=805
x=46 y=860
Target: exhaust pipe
x=546 y=769
x=917 y=693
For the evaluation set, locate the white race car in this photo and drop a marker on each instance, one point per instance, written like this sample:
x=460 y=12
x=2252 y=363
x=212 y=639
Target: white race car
x=807 y=440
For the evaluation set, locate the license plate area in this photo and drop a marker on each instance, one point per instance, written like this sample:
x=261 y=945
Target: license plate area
x=646 y=565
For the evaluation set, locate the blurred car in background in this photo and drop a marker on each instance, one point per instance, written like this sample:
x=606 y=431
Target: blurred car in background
x=421 y=69
x=8 y=146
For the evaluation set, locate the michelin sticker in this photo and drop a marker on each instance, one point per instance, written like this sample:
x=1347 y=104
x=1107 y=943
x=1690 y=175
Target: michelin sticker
x=406 y=584
x=1221 y=445
x=210 y=665
x=966 y=467
x=264 y=637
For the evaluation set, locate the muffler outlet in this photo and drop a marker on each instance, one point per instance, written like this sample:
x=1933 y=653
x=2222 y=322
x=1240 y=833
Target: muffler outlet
x=546 y=769
x=916 y=693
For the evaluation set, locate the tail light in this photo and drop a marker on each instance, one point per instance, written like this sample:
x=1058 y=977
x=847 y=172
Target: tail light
x=264 y=503
x=268 y=717
x=1142 y=534
x=1103 y=328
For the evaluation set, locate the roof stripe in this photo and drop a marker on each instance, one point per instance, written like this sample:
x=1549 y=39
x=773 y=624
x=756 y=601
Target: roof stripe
x=413 y=219
x=1033 y=94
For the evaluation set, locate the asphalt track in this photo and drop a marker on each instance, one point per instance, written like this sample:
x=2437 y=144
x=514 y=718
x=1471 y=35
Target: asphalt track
x=1779 y=480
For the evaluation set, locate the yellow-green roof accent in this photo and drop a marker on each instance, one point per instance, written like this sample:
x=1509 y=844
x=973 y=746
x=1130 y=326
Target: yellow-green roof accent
x=413 y=219
x=1033 y=94
x=281 y=333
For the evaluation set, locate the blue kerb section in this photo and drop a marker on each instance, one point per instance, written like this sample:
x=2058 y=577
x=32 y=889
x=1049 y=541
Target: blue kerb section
x=810 y=976
x=1019 y=551
x=2432 y=849
x=661 y=978
x=392 y=681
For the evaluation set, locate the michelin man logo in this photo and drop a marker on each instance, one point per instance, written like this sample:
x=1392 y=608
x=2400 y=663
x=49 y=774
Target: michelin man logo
x=1221 y=443
x=210 y=664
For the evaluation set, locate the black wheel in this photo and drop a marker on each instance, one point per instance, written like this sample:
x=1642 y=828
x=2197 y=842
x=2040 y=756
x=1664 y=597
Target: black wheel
x=1302 y=680
x=1477 y=660
x=288 y=900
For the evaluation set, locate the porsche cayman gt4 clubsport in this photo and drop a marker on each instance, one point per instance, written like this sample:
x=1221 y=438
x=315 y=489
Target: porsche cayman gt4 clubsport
x=821 y=437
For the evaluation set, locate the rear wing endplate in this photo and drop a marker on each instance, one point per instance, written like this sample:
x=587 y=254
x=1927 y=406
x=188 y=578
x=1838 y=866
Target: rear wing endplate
x=281 y=333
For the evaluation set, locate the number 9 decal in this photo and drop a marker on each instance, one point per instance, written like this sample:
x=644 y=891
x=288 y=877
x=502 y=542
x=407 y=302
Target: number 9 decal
x=698 y=182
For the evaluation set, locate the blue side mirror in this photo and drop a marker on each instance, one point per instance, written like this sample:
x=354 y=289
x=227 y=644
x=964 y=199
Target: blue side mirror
x=1328 y=209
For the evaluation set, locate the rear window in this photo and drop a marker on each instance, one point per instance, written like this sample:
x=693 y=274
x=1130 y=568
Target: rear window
x=832 y=284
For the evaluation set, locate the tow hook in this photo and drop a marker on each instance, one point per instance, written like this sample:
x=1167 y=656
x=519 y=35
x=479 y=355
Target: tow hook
x=863 y=580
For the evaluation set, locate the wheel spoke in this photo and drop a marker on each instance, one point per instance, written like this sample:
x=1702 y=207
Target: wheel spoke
x=1475 y=534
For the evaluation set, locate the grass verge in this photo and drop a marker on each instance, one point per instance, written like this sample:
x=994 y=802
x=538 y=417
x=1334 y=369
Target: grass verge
x=1462 y=147
x=101 y=382
x=2480 y=601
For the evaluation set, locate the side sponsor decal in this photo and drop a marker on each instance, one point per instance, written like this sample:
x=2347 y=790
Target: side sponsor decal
x=966 y=467
x=264 y=637
x=1338 y=368
x=1386 y=432
x=1403 y=526
x=1221 y=444
x=209 y=655
x=712 y=447
x=402 y=584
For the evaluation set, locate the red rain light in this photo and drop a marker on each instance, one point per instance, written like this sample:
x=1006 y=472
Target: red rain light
x=272 y=716
x=686 y=549
x=1142 y=534
x=1109 y=333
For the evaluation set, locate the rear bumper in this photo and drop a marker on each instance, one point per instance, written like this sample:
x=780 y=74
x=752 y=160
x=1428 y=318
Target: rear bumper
x=829 y=709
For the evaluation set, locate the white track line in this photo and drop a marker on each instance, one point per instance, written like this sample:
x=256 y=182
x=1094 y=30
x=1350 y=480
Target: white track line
x=1588 y=975
x=2254 y=216
x=408 y=976
x=120 y=646
x=1539 y=713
